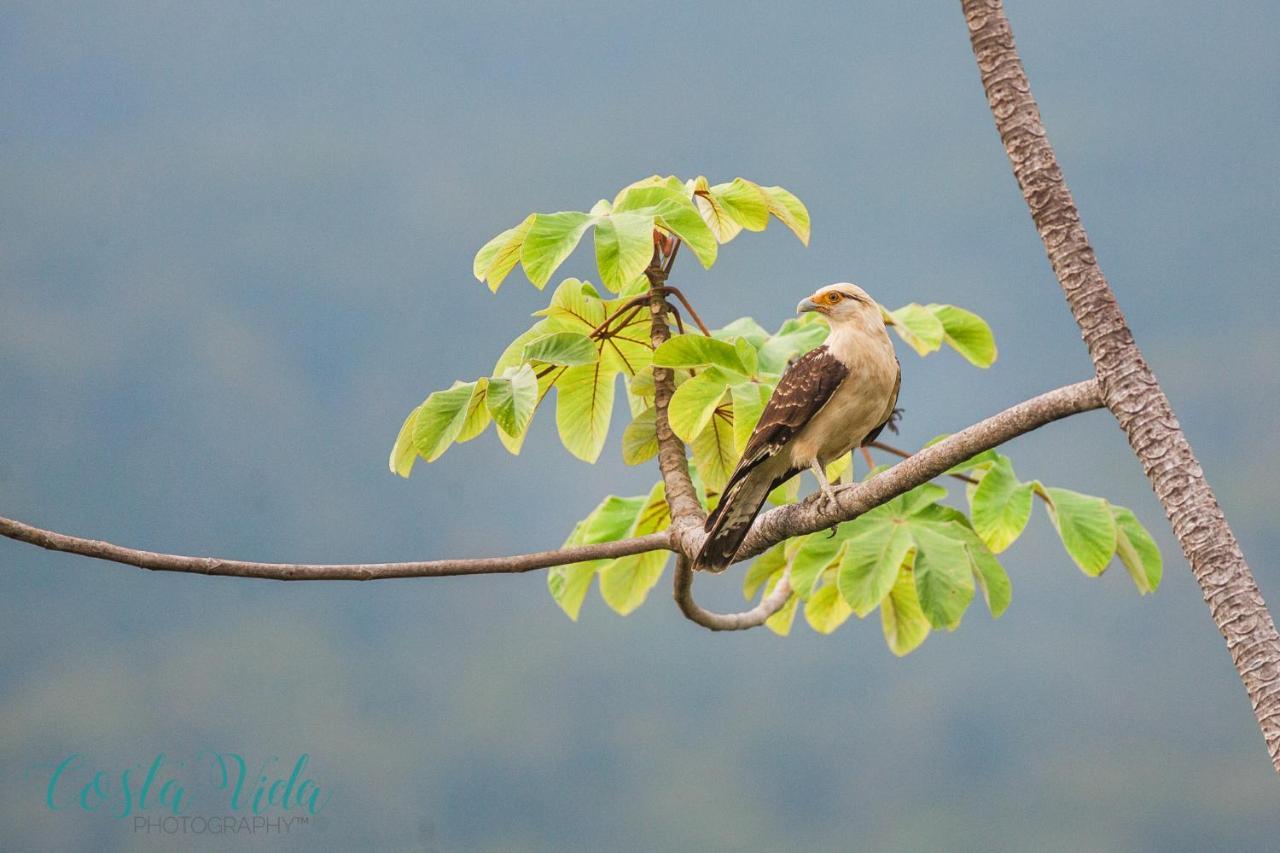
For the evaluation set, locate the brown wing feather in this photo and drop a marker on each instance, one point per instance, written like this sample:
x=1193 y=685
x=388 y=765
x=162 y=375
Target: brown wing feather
x=805 y=387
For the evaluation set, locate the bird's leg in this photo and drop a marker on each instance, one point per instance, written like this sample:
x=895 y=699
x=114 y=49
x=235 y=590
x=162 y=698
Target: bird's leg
x=866 y=454
x=828 y=493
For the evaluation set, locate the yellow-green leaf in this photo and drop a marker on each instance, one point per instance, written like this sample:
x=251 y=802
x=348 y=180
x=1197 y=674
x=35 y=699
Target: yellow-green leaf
x=700 y=350
x=919 y=327
x=624 y=247
x=584 y=406
x=943 y=573
x=550 y=240
x=870 y=562
x=713 y=452
x=789 y=211
x=440 y=419
x=1000 y=505
x=1137 y=550
x=640 y=439
x=905 y=626
x=511 y=400
x=567 y=349
x=749 y=400
x=500 y=255
x=1085 y=525
x=694 y=402
x=967 y=333
x=403 y=453
x=826 y=610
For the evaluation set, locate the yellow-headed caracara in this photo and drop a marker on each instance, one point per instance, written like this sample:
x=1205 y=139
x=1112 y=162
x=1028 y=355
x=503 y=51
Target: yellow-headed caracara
x=830 y=400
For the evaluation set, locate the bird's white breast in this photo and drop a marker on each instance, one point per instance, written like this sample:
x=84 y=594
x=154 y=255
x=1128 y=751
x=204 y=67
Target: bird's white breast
x=862 y=402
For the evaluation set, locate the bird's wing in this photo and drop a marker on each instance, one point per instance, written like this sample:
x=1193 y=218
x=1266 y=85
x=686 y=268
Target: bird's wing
x=805 y=387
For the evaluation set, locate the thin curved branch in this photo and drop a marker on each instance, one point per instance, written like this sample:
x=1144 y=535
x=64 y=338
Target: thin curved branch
x=851 y=501
x=320 y=572
x=753 y=618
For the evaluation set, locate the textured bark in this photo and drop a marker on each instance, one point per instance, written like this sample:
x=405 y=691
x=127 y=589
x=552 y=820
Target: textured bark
x=686 y=510
x=1129 y=388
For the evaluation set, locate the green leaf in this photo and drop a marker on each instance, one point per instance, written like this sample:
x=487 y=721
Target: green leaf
x=640 y=439
x=694 y=402
x=922 y=496
x=743 y=327
x=967 y=333
x=870 y=562
x=673 y=210
x=608 y=522
x=816 y=552
x=795 y=338
x=1000 y=505
x=513 y=355
x=748 y=205
x=713 y=452
x=478 y=416
x=626 y=581
x=943 y=573
x=789 y=211
x=905 y=626
x=575 y=307
x=826 y=610
x=403 y=453
x=1137 y=550
x=511 y=400
x=569 y=584
x=919 y=327
x=567 y=349
x=499 y=256
x=584 y=406
x=699 y=351
x=624 y=247
x=997 y=591
x=714 y=213
x=440 y=419
x=552 y=238
x=749 y=400
x=765 y=566
x=1086 y=527
x=780 y=622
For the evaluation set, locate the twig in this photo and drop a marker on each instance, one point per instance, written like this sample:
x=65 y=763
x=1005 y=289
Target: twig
x=323 y=572
x=675 y=291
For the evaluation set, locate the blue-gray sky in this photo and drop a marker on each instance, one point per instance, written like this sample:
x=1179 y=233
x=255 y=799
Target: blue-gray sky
x=235 y=246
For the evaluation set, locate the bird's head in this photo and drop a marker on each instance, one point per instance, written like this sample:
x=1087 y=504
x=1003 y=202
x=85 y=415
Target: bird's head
x=843 y=303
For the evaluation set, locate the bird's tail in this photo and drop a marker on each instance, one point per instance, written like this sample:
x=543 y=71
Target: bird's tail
x=727 y=526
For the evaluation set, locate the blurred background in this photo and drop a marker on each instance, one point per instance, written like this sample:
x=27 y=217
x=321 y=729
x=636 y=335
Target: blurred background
x=235 y=250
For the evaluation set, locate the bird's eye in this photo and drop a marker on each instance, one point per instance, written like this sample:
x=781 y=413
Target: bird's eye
x=833 y=298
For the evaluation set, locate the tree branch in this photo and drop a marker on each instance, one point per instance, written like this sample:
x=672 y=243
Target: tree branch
x=687 y=514
x=770 y=528
x=320 y=572
x=1129 y=387
x=756 y=616
x=853 y=500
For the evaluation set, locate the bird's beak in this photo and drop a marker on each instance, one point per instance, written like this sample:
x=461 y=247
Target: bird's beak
x=808 y=305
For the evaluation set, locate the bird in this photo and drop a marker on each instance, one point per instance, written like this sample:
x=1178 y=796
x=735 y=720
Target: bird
x=837 y=396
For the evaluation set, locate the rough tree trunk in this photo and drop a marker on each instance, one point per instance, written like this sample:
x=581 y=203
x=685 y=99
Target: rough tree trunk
x=1129 y=388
